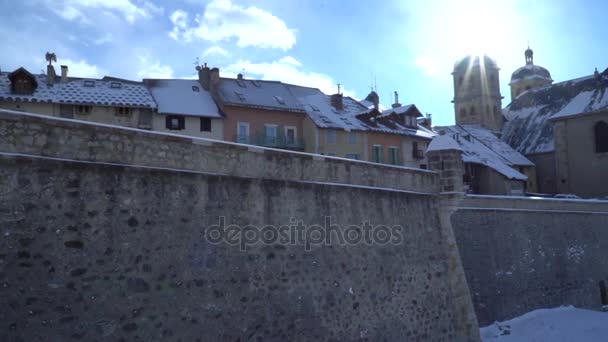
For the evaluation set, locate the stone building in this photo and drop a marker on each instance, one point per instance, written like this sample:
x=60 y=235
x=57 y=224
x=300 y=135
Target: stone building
x=562 y=128
x=185 y=107
x=108 y=100
x=489 y=165
x=477 y=98
x=530 y=76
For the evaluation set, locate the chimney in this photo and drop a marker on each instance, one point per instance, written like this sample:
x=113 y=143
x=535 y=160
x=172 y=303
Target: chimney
x=429 y=121
x=396 y=104
x=336 y=101
x=64 y=73
x=214 y=77
x=203 y=76
x=239 y=76
x=50 y=74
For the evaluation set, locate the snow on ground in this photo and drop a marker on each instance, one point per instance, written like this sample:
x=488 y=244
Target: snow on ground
x=563 y=324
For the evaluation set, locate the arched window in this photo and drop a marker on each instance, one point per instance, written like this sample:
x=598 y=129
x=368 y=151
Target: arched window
x=472 y=111
x=601 y=137
x=460 y=80
x=463 y=112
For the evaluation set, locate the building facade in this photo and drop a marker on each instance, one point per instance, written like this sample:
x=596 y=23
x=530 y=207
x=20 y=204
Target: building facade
x=109 y=100
x=477 y=98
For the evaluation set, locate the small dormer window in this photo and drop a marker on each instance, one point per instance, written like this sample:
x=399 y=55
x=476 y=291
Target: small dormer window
x=256 y=83
x=89 y=83
x=196 y=89
x=116 y=85
x=280 y=100
x=241 y=96
x=315 y=108
x=241 y=83
x=22 y=85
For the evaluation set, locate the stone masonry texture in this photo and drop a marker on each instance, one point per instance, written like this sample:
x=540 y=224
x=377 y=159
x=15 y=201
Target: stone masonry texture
x=103 y=239
x=521 y=255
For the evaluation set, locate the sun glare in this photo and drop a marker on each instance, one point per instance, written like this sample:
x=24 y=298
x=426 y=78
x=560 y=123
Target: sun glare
x=480 y=28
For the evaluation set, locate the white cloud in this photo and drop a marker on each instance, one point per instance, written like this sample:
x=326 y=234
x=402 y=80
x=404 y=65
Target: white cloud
x=223 y=20
x=217 y=51
x=107 y=38
x=429 y=65
x=287 y=70
x=82 y=68
x=85 y=9
x=148 y=69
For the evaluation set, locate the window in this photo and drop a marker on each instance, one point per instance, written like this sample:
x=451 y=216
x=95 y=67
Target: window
x=290 y=135
x=331 y=154
x=354 y=156
x=123 y=111
x=463 y=112
x=423 y=166
x=145 y=119
x=175 y=122
x=242 y=132
x=270 y=134
x=472 y=111
x=377 y=153
x=601 y=137
x=416 y=152
x=89 y=83
x=83 y=109
x=116 y=85
x=352 y=137
x=330 y=136
x=23 y=85
x=205 y=125
x=393 y=155
x=66 y=111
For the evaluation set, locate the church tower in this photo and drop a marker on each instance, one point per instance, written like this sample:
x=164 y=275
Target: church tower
x=477 y=98
x=530 y=76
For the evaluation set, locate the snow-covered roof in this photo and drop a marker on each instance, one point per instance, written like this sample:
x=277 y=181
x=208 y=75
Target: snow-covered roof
x=272 y=95
x=407 y=109
x=479 y=148
x=392 y=121
x=99 y=92
x=185 y=97
x=318 y=107
x=528 y=128
x=530 y=71
x=443 y=143
x=495 y=144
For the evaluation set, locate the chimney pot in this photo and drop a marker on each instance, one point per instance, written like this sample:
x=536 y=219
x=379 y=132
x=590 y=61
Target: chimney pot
x=239 y=76
x=64 y=73
x=337 y=101
x=50 y=74
x=204 y=76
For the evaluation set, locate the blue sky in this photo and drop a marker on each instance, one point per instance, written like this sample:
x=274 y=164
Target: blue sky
x=408 y=46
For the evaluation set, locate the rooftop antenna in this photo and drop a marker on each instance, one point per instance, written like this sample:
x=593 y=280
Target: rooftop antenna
x=375 y=85
x=338 y=88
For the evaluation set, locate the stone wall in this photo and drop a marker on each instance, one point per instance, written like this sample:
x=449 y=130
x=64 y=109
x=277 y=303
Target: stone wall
x=449 y=165
x=103 y=238
x=524 y=254
x=53 y=137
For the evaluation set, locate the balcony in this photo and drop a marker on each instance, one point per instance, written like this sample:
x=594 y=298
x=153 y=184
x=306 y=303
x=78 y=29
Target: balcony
x=280 y=141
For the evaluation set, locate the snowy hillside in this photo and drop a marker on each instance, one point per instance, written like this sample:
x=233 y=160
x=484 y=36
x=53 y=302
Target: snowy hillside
x=564 y=324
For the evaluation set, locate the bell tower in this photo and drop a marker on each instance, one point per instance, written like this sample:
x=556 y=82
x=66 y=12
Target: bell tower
x=477 y=98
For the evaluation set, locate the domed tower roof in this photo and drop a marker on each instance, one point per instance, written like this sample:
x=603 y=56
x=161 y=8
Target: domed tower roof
x=471 y=61
x=530 y=70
